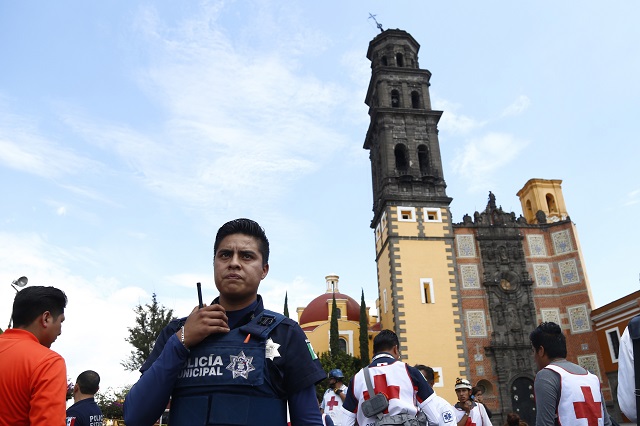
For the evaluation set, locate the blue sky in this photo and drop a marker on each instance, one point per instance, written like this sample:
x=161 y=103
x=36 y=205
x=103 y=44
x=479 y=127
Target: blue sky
x=131 y=130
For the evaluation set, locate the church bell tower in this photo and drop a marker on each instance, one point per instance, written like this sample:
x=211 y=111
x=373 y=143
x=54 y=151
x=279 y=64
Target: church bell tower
x=418 y=296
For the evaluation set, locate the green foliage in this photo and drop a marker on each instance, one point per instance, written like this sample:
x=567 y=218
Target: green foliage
x=334 y=342
x=364 y=331
x=150 y=320
x=111 y=402
x=286 y=305
x=349 y=365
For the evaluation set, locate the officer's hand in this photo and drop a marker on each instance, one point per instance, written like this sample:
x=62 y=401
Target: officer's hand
x=202 y=322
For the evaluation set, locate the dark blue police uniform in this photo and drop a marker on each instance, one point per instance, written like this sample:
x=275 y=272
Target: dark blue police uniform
x=243 y=377
x=84 y=413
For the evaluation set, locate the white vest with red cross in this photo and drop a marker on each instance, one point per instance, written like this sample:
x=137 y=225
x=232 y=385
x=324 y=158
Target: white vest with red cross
x=331 y=405
x=580 y=398
x=394 y=382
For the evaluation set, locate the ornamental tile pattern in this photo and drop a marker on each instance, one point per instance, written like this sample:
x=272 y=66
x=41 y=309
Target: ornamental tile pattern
x=569 y=272
x=561 y=242
x=466 y=246
x=536 y=245
x=542 y=275
x=550 y=315
x=476 y=324
x=470 y=277
x=590 y=363
x=579 y=319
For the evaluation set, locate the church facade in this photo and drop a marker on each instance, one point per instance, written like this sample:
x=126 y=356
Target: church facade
x=463 y=297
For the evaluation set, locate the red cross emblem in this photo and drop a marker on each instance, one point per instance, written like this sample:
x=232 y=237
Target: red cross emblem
x=380 y=386
x=589 y=409
x=332 y=403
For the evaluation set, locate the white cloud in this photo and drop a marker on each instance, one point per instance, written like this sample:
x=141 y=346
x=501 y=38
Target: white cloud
x=61 y=211
x=633 y=198
x=453 y=122
x=23 y=148
x=240 y=123
x=480 y=158
x=517 y=107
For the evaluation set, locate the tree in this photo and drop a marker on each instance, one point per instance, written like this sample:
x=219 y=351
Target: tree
x=286 y=304
x=150 y=320
x=364 y=332
x=111 y=402
x=334 y=342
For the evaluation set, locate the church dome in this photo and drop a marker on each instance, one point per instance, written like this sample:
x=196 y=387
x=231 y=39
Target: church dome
x=319 y=308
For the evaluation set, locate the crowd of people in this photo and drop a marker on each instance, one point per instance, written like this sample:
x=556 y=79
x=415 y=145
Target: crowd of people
x=233 y=362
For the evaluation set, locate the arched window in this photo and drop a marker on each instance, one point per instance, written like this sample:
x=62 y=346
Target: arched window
x=342 y=344
x=395 y=99
x=423 y=160
x=402 y=157
x=415 y=99
x=383 y=60
x=529 y=209
x=399 y=60
x=551 y=204
x=338 y=313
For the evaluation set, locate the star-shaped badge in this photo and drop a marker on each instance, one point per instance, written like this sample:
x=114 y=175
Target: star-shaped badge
x=271 y=349
x=241 y=365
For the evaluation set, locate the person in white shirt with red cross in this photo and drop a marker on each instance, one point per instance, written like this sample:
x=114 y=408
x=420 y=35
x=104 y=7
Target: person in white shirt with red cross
x=334 y=396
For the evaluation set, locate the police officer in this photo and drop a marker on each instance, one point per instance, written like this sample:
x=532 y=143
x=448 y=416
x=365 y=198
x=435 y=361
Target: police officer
x=232 y=362
x=334 y=396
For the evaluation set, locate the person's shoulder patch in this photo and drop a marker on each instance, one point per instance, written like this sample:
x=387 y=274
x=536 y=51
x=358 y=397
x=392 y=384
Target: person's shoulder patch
x=447 y=416
x=311 y=351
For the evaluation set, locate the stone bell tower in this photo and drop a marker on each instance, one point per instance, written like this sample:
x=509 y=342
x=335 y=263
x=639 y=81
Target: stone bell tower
x=418 y=296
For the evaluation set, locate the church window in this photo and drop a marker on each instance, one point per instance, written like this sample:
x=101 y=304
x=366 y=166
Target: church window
x=338 y=313
x=529 y=212
x=551 y=204
x=342 y=344
x=402 y=157
x=395 y=99
x=432 y=215
x=613 y=339
x=399 y=60
x=384 y=61
x=423 y=160
x=384 y=300
x=406 y=214
x=415 y=99
x=426 y=290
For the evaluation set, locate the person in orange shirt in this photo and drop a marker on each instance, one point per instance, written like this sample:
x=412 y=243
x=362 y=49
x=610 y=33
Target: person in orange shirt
x=33 y=378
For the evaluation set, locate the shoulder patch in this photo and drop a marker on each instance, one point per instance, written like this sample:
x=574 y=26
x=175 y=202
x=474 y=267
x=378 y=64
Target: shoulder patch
x=311 y=351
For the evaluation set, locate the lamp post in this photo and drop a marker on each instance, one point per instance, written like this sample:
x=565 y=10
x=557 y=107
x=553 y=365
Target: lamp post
x=20 y=282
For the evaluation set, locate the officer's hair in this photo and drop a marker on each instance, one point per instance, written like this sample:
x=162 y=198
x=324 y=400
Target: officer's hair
x=246 y=227
x=88 y=382
x=385 y=341
x=549 y=335
x=428 y=372
x=31 y=302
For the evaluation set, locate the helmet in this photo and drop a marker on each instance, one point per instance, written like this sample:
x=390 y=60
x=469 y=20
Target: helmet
x=463 y=384
x=336 y=374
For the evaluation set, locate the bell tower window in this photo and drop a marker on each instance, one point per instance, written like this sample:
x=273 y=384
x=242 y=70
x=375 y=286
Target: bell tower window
x=423 y=160
x=395 y=99
x=402 y=158
x=399 y=60
x=383 y=61
x=551 y=204
x=415 y=99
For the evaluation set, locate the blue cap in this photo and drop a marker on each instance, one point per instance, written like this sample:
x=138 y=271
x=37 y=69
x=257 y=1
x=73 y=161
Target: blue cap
x=336 y=374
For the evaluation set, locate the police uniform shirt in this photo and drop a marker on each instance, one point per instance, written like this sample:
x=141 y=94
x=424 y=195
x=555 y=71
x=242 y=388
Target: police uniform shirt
x=84 y=413
x=292 y=365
